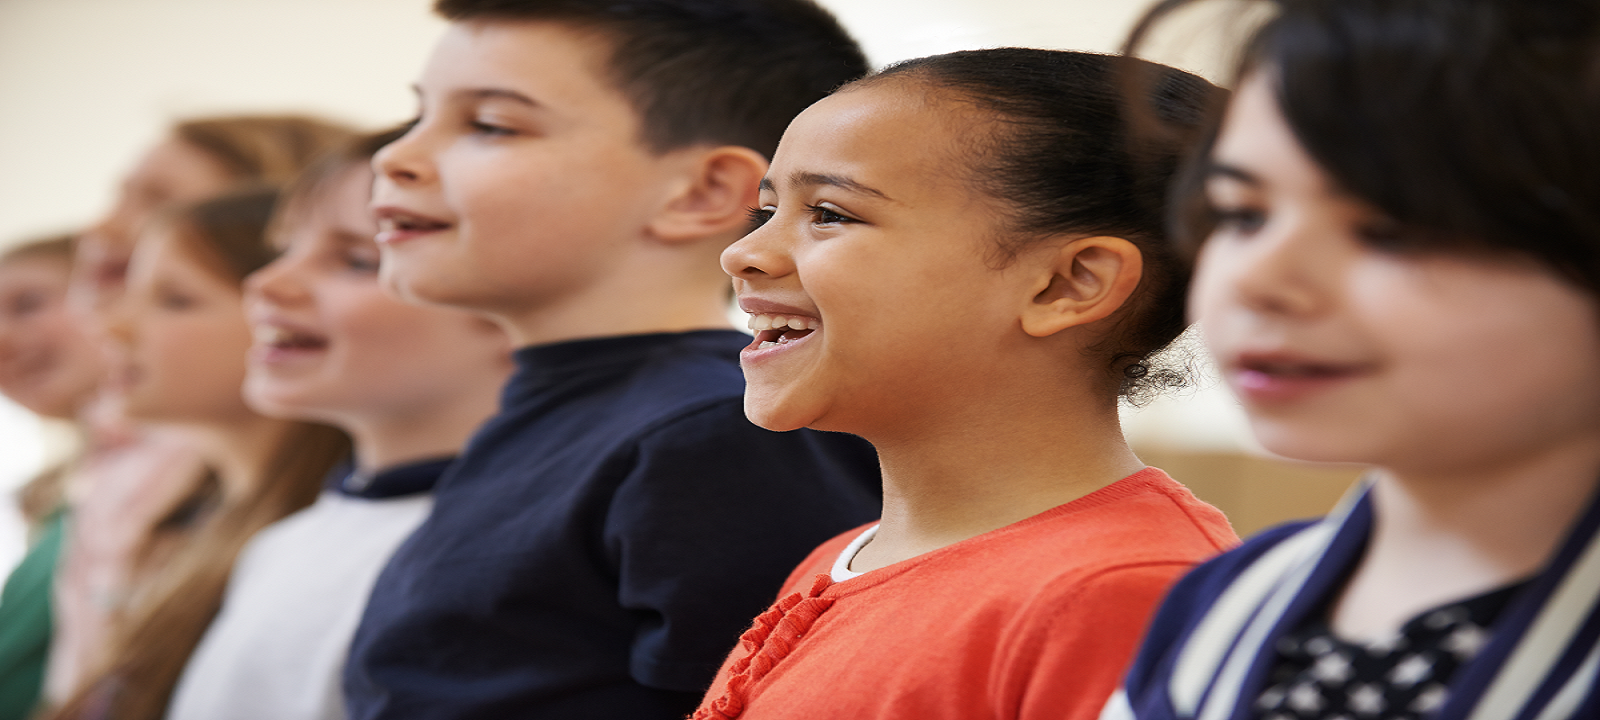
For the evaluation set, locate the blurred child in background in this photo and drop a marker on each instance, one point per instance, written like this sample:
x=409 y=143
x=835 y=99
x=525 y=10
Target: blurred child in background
x=49 y=365
x=131 y=477
x=183 y=339
x=409 y=383
x=1400 y=267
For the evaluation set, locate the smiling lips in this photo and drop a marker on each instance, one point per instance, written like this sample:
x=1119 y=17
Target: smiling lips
x=276 y=339
x=1278 y=378
x=774 y=330
x=396 y=225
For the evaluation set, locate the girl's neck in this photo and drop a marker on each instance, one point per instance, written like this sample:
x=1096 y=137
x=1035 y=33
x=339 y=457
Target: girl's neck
x=1443 y=536
x=239 y=451
x=965 y=474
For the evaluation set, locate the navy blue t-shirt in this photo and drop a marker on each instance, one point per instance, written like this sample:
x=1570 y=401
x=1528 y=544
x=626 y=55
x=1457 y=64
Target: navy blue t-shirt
x=603 y=541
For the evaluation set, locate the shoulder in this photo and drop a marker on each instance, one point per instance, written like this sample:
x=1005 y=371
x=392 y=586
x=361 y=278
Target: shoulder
x=1188 y=602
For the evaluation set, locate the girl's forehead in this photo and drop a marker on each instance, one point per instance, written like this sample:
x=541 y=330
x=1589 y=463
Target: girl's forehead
x=889 y=133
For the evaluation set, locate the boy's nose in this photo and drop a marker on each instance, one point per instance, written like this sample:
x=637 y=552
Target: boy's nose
x=404 y=160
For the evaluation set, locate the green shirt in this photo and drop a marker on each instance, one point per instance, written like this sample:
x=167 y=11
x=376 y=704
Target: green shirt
x=25 y=622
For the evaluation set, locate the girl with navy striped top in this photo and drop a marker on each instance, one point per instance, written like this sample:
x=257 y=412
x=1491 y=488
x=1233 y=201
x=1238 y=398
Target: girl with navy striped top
x=1399 y=265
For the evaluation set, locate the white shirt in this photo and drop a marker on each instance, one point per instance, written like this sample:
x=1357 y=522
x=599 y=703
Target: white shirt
x=277 y=649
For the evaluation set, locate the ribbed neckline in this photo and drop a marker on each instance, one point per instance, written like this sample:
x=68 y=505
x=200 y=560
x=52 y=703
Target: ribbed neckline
x=1143 y=481
x=405 y=479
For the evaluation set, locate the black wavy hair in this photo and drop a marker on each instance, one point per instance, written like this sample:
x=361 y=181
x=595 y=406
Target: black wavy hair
x=1060 y=157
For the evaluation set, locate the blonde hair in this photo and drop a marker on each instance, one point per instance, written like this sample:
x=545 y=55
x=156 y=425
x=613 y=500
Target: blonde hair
x=152 y=643
x=268 y=149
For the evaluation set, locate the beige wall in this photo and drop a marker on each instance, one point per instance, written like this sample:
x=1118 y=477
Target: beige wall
x=85 y=85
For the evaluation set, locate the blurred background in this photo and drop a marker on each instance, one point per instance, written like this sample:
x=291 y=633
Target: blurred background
x=88 y=85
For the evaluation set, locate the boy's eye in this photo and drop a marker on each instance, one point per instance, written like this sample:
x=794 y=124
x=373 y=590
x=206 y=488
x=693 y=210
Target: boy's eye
x=758 y=216
x=823 y=215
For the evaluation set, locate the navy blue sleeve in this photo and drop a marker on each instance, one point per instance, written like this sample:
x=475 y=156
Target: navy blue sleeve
x=1183 y=608
x=710 y=520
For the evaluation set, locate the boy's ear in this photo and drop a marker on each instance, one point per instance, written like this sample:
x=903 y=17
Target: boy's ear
x=1083 y=281
x=719 y=188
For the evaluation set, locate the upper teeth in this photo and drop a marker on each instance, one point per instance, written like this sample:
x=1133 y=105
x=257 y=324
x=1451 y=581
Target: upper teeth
x=271 y=335
x=774 y=322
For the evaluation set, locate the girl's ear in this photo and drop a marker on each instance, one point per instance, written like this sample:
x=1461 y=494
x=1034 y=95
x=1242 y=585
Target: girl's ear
x=718 y=188
x=1084 y=281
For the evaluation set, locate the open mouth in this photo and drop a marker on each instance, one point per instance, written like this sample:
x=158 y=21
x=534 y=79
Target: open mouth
x=775 y=330
x=411 y=223
x=280 y=338
x=1293 y=370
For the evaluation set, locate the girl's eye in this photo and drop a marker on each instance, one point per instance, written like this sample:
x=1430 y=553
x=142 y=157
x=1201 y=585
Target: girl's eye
x=823 y=215
x=486 y=128
x=758 y=216
x=1238 y=220
x=361 y=263
x=170 y=300
x=25 y=304
x=1386 y=235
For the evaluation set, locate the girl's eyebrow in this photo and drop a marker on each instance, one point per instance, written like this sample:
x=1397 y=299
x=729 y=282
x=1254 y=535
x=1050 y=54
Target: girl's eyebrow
x=1216 y=169
x=804 y=179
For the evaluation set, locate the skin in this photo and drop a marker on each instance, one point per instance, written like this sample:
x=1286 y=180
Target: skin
x=47 y=362
x=969 y=379
x=183 y=338
x=1468 y=381
x=408 y=382
x=540 y=206
x=171 y=172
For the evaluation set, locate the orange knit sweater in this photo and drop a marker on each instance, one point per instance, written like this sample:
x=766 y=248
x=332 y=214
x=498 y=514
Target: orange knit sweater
x=1037 y=619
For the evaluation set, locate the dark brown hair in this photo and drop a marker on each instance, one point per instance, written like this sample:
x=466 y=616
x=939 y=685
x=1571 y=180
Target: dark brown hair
x=719 y=72
x=1057 y=153
x=1470 y=123
x=151 y=645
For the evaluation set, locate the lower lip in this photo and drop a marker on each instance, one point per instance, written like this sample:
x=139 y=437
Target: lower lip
x=1259 y=387
x=755 y=353
x=282 y=356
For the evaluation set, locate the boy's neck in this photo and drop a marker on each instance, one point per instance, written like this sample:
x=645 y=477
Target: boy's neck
x=438 y=431
x=975 y=472
x=659 y=295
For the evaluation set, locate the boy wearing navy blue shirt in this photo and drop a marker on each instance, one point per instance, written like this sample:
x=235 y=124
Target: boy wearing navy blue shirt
x=576 y=168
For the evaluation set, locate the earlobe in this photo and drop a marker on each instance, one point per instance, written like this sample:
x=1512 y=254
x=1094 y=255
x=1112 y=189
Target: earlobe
x=1084 y=281
x=720 y=185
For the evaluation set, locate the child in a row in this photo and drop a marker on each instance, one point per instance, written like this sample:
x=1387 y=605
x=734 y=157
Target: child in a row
x=962 y=260
x=576 y=167
x=408 y=383
x=183 y=335
x=1401 y=267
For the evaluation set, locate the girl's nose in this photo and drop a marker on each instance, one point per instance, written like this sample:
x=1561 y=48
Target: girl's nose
x=279 y=282
x=1285 y=270
x=757 y=255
